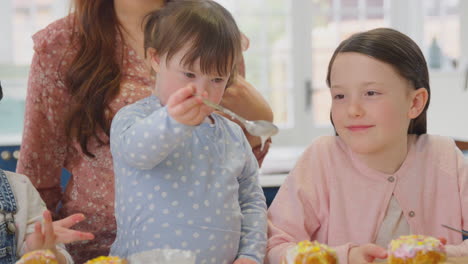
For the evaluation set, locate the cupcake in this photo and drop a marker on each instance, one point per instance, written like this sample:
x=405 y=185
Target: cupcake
x=306 y=252
x=38 y=257
x=416 y=249
x=106 y=260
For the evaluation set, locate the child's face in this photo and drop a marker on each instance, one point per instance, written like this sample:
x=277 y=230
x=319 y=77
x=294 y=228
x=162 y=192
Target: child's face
x=173 y=75
x=372 y=104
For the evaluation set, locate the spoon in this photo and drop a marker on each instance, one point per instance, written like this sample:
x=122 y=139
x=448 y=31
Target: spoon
x=259 y=128
x=456 y=230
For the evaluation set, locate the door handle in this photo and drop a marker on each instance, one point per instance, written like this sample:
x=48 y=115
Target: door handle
x=308 y=95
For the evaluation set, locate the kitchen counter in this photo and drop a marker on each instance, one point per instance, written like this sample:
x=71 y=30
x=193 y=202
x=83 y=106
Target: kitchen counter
x=277 y=164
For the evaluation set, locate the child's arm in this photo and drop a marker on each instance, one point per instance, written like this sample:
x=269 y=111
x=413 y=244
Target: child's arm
x=300 y=208
x=253 y=207
x=52 y=236
x=461 y=249
x=32 y=211
x=295 y=202
x=143 y=139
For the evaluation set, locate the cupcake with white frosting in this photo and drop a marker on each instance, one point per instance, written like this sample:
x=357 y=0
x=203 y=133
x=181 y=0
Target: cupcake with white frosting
x=416 y=249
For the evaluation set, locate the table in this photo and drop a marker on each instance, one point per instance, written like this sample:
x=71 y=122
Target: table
x=461 y=260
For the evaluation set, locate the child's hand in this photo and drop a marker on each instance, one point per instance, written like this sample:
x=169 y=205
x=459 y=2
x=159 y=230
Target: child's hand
x=244 y=261
x=366 y=254
x=186 y=108
x=443 y=240
x=66 y=235
x=55 y=232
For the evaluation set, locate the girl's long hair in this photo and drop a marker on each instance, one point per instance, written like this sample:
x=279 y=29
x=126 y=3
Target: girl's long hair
x=400 y=52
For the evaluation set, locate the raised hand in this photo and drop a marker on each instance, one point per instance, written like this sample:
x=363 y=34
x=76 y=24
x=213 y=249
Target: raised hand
x=443 y=240
x=49 y=234
x=186 y=108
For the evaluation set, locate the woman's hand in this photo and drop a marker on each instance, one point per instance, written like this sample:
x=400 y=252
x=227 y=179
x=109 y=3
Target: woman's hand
x=186 y=108
x=242 y=98
x=244 y=261
x=48 y=235
x=366 y=254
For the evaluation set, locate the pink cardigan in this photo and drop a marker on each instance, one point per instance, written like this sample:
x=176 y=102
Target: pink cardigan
x=332 y=197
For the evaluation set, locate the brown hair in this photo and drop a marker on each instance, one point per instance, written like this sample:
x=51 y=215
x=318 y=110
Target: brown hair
x=399 y=51
x=210 y=29
x=93 y=78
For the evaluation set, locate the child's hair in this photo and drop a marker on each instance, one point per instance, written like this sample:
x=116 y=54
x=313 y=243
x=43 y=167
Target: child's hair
x=399 y=51
x=207 y=26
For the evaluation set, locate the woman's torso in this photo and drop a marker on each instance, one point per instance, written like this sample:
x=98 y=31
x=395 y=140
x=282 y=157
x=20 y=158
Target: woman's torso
x=91 y=188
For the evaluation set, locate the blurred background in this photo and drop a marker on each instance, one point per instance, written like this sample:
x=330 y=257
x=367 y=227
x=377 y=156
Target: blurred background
x=291 y=42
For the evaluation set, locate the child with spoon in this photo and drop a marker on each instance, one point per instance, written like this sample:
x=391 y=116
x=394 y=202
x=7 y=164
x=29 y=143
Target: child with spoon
x=186 y=177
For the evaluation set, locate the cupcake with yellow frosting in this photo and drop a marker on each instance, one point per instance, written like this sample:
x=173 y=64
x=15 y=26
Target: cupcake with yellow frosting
x=307 y=252
x=106 y=260
x=38 y=257
x=416 y=249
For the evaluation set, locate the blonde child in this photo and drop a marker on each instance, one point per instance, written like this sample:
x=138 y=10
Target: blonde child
x=21 y=213
x=186 y=177
x=382 y=176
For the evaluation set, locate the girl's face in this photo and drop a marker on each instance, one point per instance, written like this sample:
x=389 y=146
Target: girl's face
x=173 y=75
x=372 y=105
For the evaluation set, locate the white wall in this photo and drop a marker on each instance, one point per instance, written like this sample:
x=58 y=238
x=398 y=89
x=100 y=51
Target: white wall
x=6 y=49
x=464 y=32
x=448 y=109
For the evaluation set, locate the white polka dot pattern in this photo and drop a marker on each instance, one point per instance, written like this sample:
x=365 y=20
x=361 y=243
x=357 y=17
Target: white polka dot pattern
x=204 y=192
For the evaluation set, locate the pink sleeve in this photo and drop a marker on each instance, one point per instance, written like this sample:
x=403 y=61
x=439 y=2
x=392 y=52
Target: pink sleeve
x=300 y=208
x=43 y=146
x=461 y=249
x=290 y=219
x=342 y=252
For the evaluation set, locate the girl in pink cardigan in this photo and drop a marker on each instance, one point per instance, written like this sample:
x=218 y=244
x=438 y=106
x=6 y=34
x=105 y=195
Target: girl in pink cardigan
x=382 y=176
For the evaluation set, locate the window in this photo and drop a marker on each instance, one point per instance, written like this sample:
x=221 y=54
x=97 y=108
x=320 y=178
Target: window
x=19 y=20
x=265 y=23
x=291 y=42
x=303 y=108
x=442 y=28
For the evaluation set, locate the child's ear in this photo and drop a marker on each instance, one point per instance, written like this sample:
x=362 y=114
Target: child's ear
x=154 y=59
x=419 y=99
